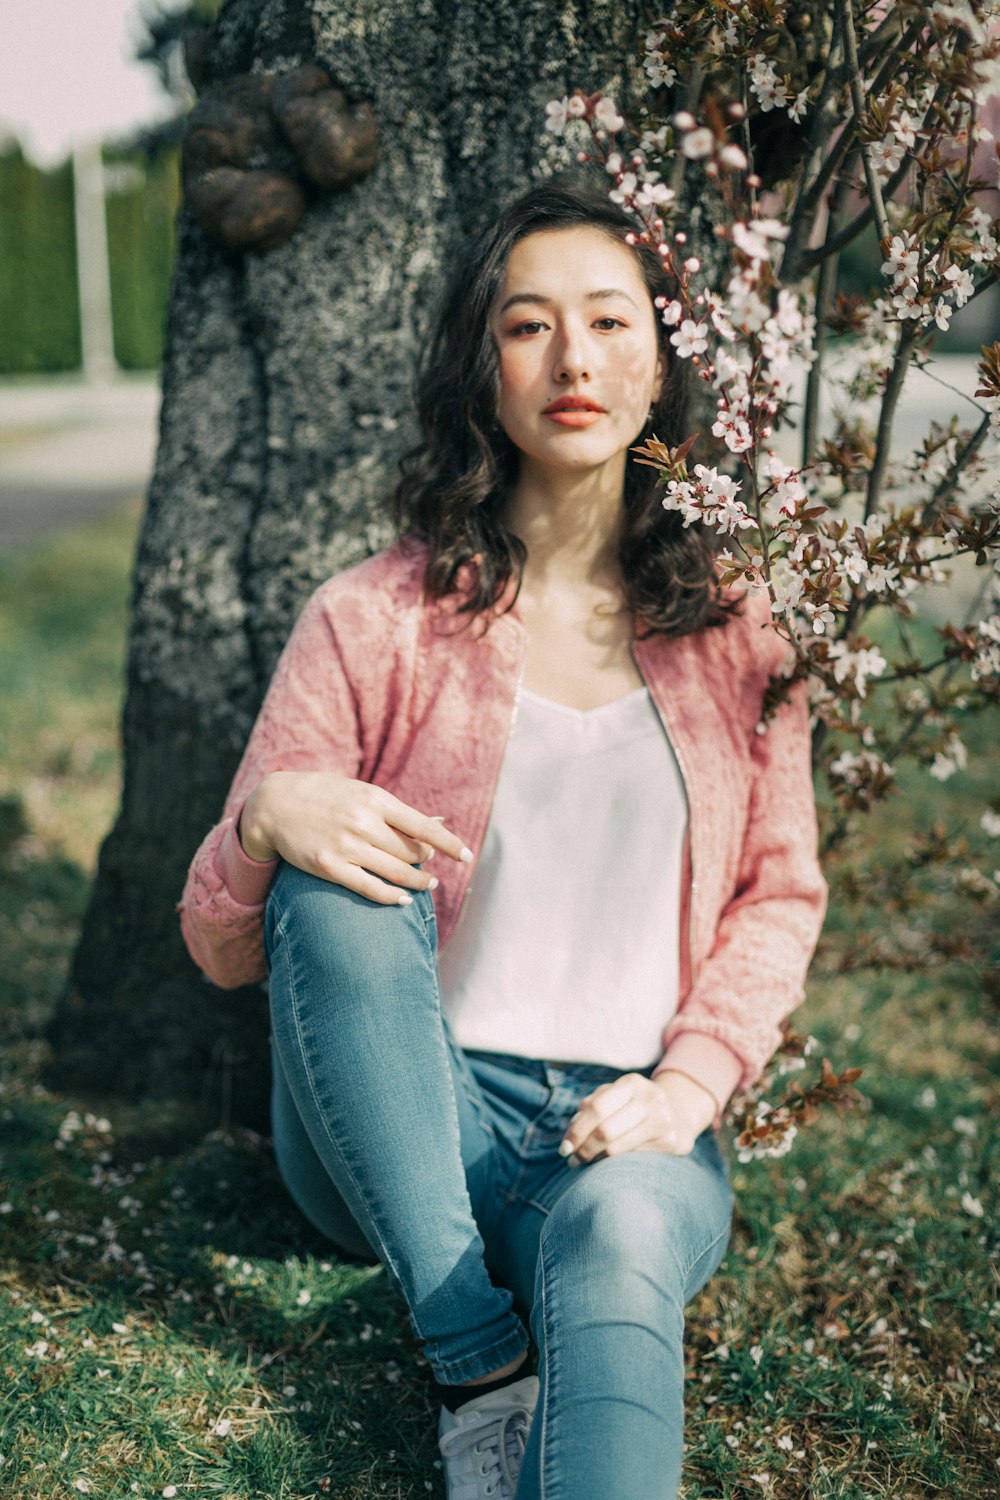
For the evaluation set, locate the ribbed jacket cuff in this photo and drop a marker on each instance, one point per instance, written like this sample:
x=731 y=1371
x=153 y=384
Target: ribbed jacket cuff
x=708 y=1061
x=247 y=880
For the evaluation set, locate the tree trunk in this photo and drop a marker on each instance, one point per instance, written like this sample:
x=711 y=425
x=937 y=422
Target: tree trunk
x=286 y=399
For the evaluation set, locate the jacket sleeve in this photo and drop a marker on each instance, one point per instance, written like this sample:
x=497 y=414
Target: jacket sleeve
x=728 y=1027
x=307 y=722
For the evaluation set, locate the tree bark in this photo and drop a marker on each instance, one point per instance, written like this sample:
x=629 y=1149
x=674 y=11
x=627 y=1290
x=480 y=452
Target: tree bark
x=286 y=404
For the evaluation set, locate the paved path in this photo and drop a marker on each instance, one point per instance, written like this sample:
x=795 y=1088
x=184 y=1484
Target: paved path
x=69 y=452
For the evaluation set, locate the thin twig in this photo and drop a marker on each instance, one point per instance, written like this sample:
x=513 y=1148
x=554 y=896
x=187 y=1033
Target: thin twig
x=905 y=674
x=946 y=385
x=860 y=604
x=893 y=388
x=860 y=221
x=947 y=483
x=810 y=196
x=845 y=10
x=825 y=286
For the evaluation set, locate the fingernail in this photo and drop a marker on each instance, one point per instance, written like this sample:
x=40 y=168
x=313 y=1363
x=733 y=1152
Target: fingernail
x=466 y=856
x=433 y=883
x=403 y=899
x=565 y=1149
x=574 y=1161
x=428 y=856
x=437 y=817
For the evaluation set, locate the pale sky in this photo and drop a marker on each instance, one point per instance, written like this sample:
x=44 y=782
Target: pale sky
x=67 y=73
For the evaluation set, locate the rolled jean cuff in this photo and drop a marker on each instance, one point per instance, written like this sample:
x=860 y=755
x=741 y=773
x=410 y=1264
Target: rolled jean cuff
x=477 y=1366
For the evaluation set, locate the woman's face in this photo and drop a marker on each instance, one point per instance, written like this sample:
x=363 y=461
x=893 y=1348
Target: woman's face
x=580 y=361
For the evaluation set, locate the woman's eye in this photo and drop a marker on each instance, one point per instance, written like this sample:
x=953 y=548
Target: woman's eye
x=531 y=326
x=609 y=322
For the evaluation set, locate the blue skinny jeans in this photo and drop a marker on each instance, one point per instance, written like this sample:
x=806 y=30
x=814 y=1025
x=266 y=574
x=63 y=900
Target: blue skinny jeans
x=444 y=1165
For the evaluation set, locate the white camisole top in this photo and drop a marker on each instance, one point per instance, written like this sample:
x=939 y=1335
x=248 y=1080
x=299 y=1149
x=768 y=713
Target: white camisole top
x=567 y=947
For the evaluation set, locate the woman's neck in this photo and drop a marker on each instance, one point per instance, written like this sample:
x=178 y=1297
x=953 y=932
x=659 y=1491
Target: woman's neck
x=570 y=524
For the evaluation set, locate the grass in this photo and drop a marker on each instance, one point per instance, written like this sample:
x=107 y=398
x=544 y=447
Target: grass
x=169 y=1325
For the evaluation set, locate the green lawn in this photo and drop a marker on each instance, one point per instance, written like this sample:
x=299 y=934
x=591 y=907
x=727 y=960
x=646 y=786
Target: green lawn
x=169 y=1325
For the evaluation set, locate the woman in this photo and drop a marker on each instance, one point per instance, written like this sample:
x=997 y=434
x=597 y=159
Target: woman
x=542 y=689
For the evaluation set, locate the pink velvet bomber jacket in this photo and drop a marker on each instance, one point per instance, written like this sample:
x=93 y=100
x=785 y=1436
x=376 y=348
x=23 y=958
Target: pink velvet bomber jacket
x=376 y=682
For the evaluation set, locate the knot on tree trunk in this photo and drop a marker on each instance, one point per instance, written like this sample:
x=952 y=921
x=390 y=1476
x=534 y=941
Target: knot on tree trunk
x=256 y=145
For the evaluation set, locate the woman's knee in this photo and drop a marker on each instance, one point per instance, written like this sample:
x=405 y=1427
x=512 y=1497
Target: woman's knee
x=639 y=1221
x=331 y=930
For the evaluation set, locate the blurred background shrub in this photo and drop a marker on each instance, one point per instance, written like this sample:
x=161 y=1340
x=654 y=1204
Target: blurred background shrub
x=39 y=309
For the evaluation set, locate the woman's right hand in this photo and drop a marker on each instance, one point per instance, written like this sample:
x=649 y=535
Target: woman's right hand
x=349 y=832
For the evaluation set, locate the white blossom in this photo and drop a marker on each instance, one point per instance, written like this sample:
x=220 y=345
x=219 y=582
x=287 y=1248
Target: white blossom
x=788 y=586
x=798 y=106
x=819 y=615
x=690 y=338
x=733 y=428
x=942 y=312
x=745 y=308
x=606 y=115
x=856 y=666
x=886 y=154
x=718 y=315
x=903 y=128
x=681 y=497
x=962 y=284
x=660 y=73
x=954 y=757
x=753 y=237
x=556 y=116
x=881 y=578
x=902 y=260
x=626 y=188
x=852 y=768
x=698 y=144
x=765 y=83
x=653 y=194
x=731 y=515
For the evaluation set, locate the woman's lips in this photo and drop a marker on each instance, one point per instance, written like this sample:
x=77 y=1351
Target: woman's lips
x=568 y=416
x=571 y=412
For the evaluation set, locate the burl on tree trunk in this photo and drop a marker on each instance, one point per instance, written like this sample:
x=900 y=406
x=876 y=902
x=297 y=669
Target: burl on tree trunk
x=286 y=403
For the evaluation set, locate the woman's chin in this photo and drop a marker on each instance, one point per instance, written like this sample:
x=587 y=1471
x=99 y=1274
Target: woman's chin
x=578 y=460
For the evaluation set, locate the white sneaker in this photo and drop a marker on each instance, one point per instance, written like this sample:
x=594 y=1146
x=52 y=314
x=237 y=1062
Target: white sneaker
x=482 y=1444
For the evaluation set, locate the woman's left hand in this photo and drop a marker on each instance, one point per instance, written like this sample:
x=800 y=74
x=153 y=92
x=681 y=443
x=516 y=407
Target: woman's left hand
x=636 y=1113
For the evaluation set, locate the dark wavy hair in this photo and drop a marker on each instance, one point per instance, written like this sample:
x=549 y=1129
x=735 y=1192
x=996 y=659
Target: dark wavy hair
x=455 y=484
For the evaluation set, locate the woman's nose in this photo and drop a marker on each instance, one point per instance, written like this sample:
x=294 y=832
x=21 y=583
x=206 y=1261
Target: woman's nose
x=570 y=359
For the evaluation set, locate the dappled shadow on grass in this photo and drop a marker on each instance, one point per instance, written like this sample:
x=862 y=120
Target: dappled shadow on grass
x=162 y=1301
x=195 y=1261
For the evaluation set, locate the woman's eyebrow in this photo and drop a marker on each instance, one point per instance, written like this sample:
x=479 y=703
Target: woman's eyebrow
x=535 y=299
